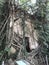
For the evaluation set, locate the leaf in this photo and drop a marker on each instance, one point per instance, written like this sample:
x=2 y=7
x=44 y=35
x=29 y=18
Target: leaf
x=7 y=49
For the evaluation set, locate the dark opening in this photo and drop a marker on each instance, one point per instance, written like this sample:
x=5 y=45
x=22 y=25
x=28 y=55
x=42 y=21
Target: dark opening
x=27 y=44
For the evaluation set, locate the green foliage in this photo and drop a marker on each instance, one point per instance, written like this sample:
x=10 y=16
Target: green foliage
x=3 y=13
x=43 y=29
x=23 y=1
x=3 y=52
